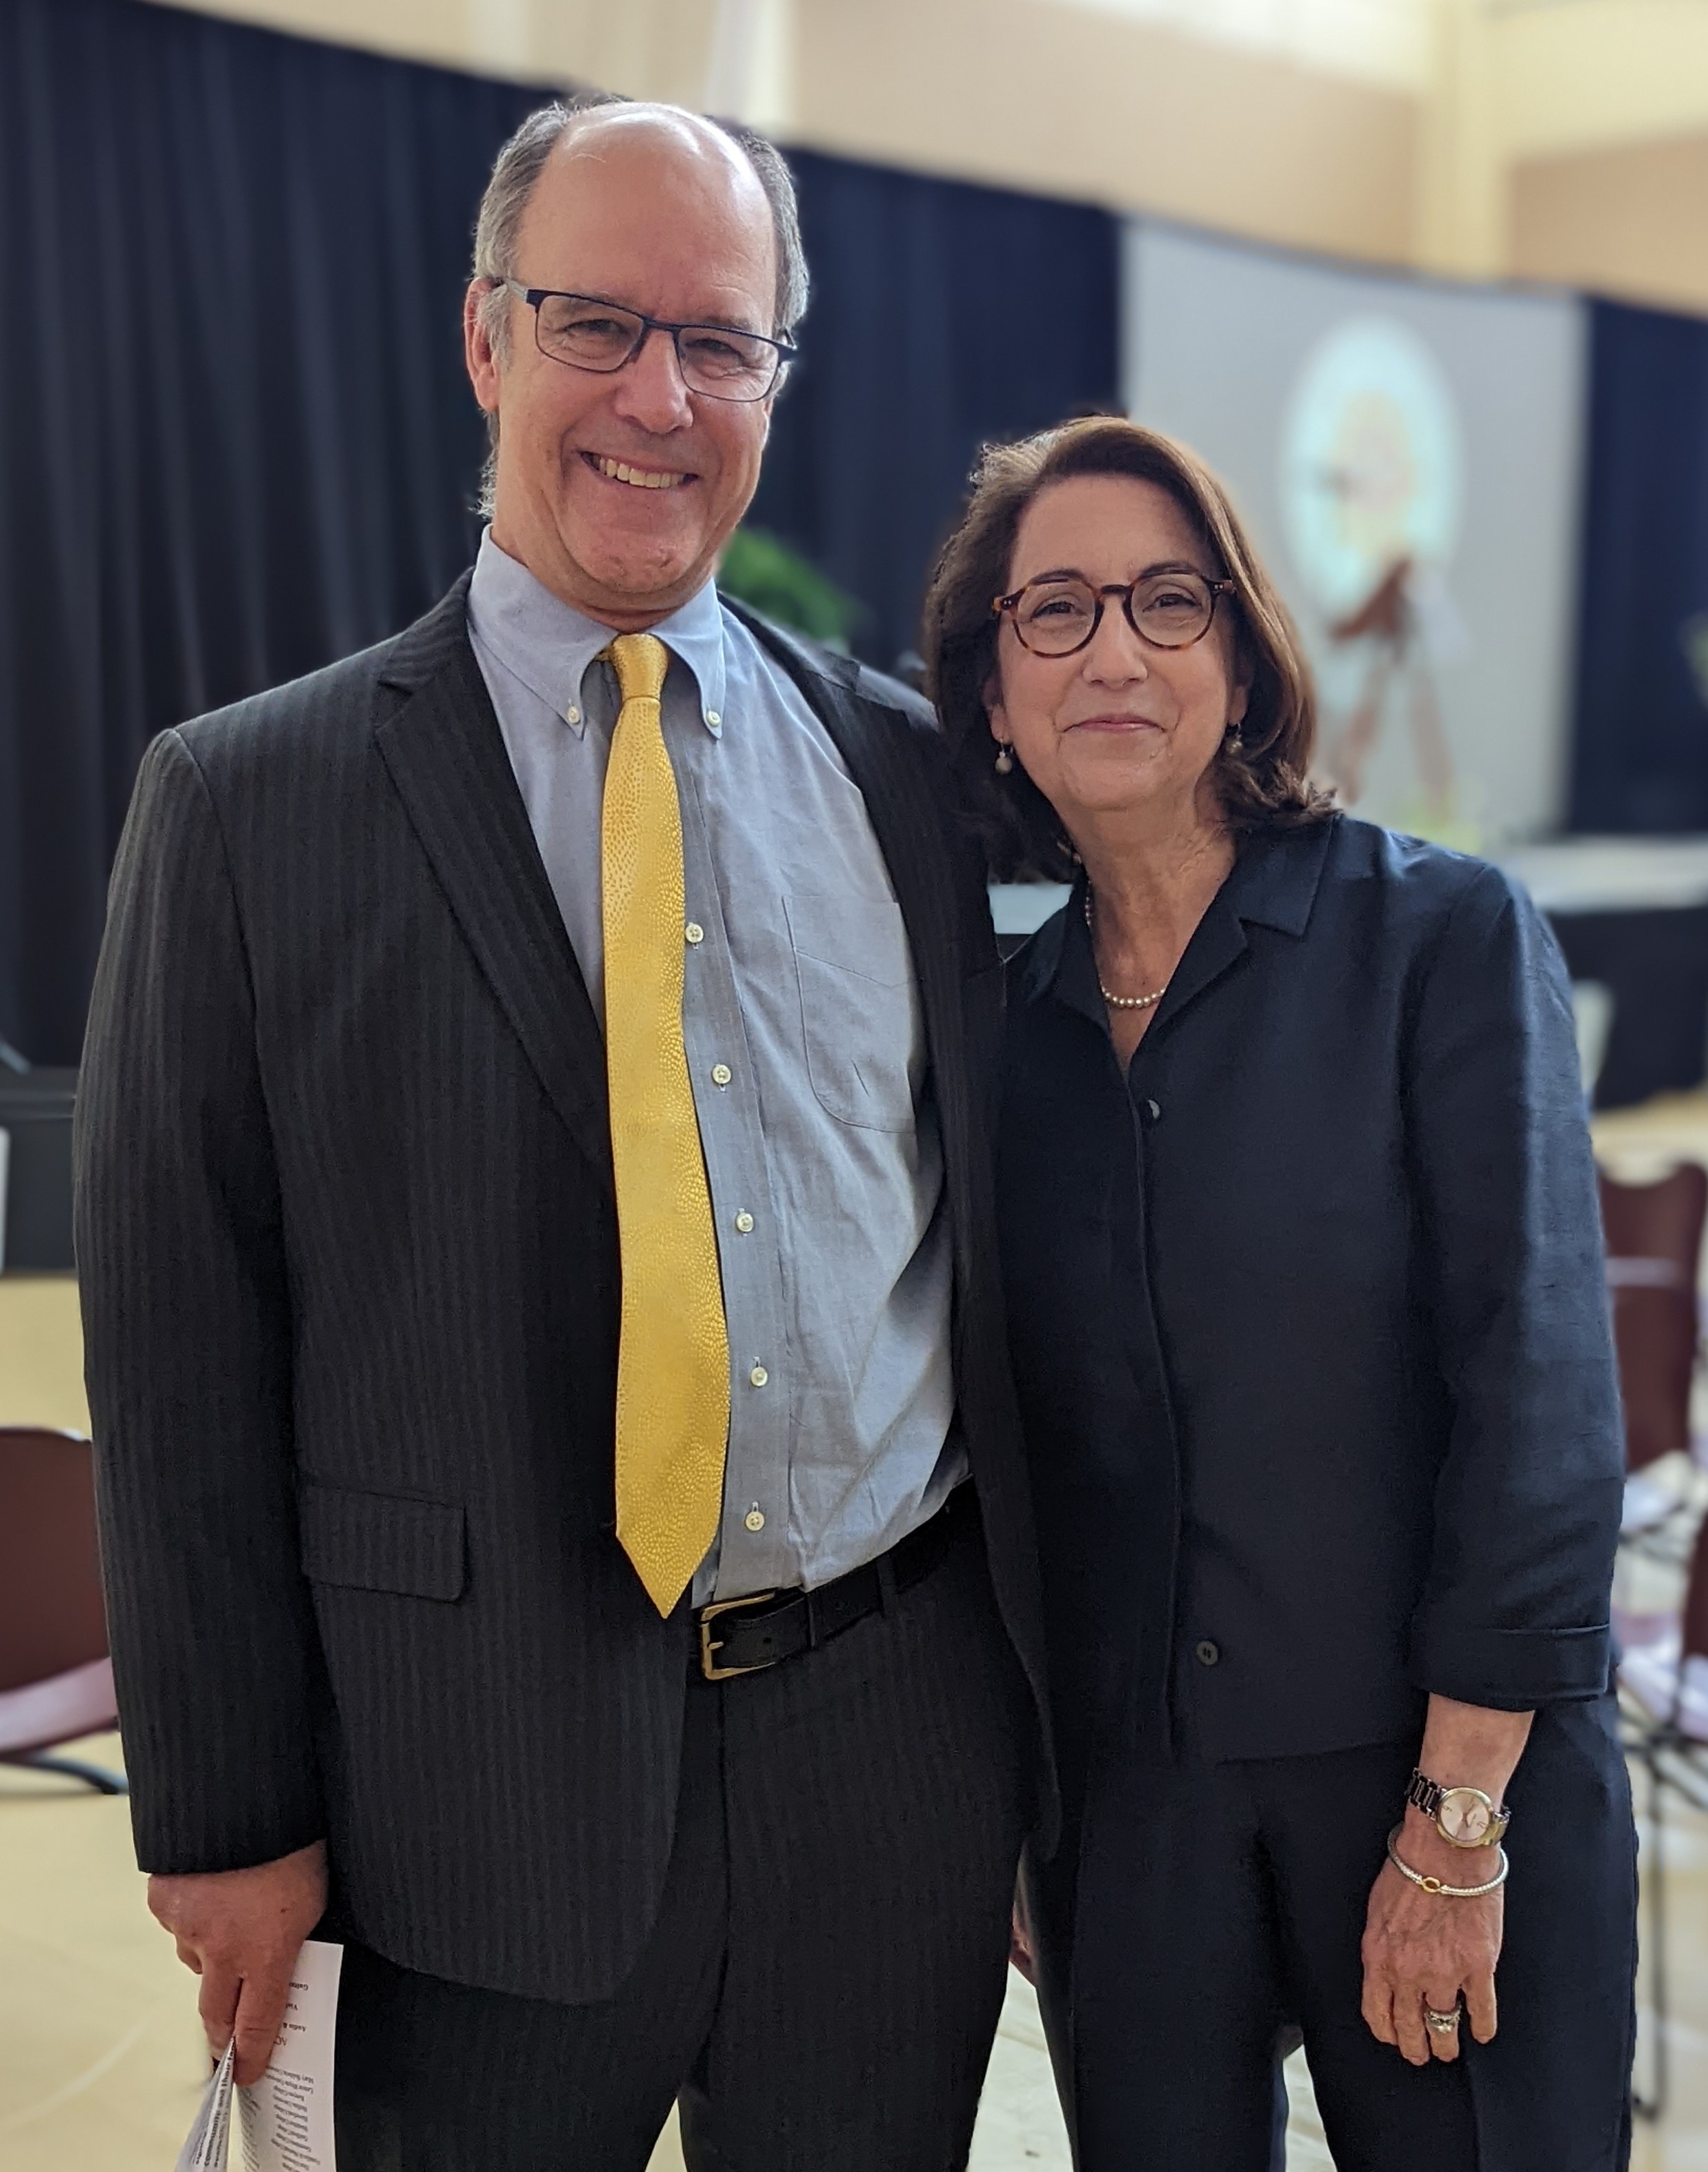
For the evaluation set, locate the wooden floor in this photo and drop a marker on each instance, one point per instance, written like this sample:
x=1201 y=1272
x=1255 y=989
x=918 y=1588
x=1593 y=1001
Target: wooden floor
x=101 y=2057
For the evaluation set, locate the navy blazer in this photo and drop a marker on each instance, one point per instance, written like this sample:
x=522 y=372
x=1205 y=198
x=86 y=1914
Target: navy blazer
x=1308 y=1312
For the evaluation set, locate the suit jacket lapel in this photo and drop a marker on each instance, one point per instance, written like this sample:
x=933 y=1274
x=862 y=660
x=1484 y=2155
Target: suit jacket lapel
x=442 y=746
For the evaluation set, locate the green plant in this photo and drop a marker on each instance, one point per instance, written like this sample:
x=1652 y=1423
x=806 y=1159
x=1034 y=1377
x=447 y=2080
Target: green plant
x=759 y=571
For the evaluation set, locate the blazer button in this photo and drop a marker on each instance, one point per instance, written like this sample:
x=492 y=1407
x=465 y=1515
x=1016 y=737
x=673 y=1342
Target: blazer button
x=1209 y=1654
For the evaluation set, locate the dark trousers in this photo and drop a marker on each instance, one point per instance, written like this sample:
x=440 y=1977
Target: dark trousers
x=821 y=1988
x=1199 y=1908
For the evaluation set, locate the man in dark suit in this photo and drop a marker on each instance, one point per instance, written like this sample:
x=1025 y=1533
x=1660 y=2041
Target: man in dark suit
x=560 y=1492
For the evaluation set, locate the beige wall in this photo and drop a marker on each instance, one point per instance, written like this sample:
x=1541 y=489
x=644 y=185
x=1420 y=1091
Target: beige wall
x=1563 y=143
x=1596 y=73
x=1603 y=110
x=1062 y=99
x=1631 y=220
x=1077 y=103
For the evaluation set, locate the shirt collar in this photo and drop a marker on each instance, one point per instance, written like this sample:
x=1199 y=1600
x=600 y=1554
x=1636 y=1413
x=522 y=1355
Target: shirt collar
x=1275 y=877
x=550 y=645
x=1273 y=881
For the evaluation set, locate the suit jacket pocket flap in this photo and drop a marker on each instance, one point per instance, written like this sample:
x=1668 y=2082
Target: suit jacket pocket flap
x=383 y=1542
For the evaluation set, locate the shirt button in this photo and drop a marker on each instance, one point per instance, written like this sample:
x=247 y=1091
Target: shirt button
x=721 y=1074
x=755 y=1518
x=1208 y=1655
x=713 y=718
x=758 y=1376
x=694 y=932
x=571 y=715
x=744 y=1222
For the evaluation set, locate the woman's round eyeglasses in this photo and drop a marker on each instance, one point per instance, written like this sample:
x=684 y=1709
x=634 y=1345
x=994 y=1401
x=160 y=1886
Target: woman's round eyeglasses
x=715 y=360
x=1054 y=615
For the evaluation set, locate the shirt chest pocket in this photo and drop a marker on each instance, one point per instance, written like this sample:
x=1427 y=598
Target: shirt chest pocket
x=859 y=1010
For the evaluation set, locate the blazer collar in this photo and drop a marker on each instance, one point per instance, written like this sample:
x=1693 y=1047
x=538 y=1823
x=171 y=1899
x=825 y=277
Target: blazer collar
x=442 y=747
x=1274 y=879
x=1272 y=884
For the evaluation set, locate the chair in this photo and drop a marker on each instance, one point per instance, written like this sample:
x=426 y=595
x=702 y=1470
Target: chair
x=1663 y=1696
x=55 y=1678
x=1654 y=1236
x=1654 y=1242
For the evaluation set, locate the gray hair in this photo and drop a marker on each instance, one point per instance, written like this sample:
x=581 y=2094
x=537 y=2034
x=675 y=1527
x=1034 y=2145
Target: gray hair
x=498 y=228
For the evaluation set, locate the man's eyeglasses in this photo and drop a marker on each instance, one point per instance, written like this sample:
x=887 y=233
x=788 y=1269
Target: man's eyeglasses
x=1054 y=616
x=715 y=361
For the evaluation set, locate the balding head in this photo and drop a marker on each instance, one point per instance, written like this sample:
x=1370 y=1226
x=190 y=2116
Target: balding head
x=616 y=481
x=597 y=117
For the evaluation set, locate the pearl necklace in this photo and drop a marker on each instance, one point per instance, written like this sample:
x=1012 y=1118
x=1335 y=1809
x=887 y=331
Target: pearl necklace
x=1118 y=1002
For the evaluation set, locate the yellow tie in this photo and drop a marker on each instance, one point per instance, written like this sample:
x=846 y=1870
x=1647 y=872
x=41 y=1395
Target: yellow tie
x=673 y=1363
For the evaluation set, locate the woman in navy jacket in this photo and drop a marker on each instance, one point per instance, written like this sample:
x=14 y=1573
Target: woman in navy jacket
x=1306 y=1307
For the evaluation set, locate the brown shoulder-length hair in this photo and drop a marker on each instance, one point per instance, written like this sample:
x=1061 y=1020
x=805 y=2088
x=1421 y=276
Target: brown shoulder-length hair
x=1262 y=785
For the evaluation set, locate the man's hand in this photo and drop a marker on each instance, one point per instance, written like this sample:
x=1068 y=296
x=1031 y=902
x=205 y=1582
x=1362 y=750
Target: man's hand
x=241 y=1931
x=1422 y=1946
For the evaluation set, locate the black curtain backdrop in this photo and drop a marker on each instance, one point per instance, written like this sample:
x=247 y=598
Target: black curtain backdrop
x=1641 y=751
x=943 y=314
x=235 y=437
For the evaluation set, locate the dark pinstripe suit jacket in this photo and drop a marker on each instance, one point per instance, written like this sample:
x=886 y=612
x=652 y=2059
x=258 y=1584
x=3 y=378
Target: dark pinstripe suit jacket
x=347 y=1243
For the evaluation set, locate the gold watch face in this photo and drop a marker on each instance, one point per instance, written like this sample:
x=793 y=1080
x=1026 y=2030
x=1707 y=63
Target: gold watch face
x=1465 y=1816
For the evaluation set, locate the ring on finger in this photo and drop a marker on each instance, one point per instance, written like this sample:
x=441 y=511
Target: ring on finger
x=1443 y=2024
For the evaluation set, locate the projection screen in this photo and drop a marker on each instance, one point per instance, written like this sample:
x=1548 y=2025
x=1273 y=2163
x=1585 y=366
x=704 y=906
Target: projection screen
x=1407 y=453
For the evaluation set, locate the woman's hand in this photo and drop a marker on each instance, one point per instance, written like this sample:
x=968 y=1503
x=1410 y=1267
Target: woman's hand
x=1424 y=1947
x=1427 y=1948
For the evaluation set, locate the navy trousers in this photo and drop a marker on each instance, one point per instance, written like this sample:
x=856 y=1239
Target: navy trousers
x=1197 y=1909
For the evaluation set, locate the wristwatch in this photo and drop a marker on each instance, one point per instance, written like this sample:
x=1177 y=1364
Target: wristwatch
x=1464 y=1817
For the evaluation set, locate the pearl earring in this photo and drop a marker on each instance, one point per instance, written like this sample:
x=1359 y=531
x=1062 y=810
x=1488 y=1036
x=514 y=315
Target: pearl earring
x=1004 y=758
x=1236 y=741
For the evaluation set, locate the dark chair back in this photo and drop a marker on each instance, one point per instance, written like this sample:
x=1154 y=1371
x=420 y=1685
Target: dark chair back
x=52 y=1617
x=1654 y=1242
x=1694 y=1638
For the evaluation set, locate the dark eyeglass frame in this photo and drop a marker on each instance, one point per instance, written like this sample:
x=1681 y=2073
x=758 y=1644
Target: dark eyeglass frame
x=534 y=296
x=1008 y=607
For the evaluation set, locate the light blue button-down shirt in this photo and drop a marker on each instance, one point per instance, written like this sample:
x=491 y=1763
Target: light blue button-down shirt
x=807 y=1052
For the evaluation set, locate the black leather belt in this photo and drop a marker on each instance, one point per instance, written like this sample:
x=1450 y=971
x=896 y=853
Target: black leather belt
x=744 y=1635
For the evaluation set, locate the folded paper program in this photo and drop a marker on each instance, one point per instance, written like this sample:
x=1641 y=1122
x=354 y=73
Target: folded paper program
x=285 y=2120
x=209 y=2138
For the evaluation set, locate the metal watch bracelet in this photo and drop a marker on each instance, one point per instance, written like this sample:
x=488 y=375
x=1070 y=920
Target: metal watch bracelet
x=1464 y=1816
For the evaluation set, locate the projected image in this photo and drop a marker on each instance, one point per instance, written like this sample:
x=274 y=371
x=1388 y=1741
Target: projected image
x=1371 y=487
x=1406 y=452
